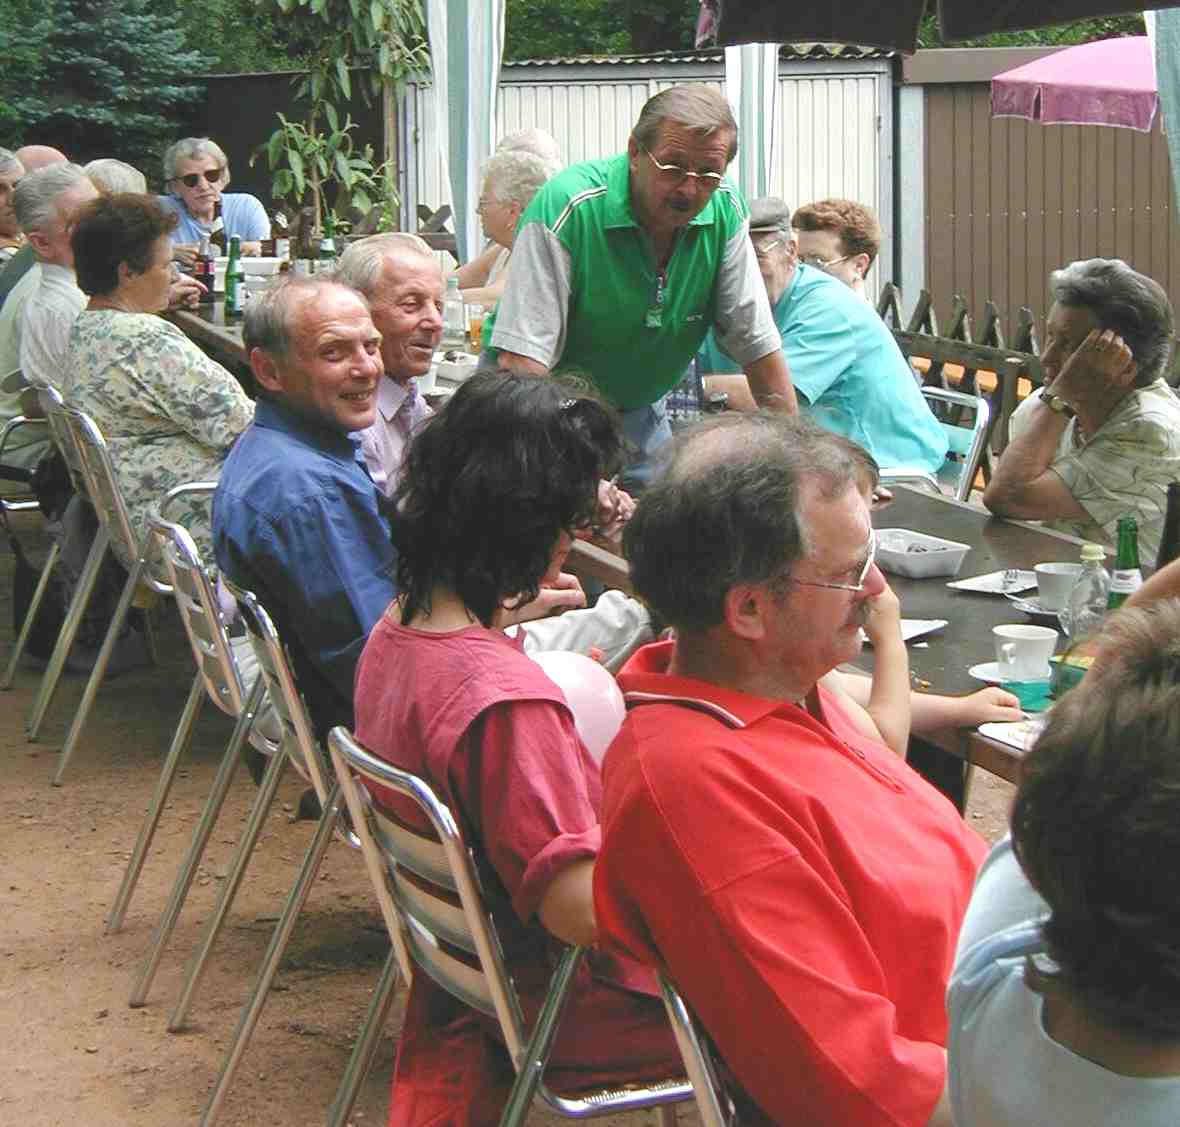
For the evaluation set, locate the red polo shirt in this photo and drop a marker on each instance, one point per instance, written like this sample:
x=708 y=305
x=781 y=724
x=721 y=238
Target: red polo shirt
x=801 y=885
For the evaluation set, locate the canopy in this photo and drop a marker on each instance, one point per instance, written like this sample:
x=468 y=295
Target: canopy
x=1110 y=82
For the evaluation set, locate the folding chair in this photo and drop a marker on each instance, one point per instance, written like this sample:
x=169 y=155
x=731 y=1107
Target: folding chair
x=714 y=1105
x=134 y=551
x=417 y=880
x=217 y=677
x=299 y=745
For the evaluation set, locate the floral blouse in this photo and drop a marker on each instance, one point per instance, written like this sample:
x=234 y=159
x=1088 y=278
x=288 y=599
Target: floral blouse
x=169 y=414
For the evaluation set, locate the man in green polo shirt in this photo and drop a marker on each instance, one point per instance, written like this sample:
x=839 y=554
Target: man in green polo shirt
x=621 y=266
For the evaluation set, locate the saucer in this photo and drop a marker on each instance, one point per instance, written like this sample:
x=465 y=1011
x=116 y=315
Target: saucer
x=986 y=671
x=1032 y=607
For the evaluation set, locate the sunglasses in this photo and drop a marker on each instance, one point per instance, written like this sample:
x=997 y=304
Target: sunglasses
x=213 y=175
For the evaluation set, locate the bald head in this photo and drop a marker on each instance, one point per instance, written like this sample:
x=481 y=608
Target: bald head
x=33 y=157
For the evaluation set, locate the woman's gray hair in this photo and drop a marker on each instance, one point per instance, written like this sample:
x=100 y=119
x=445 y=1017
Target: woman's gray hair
x=1132 y=304
x=191 y=148
x=110 y=176
x=537 y=142
x=514 y=177
x=362 y=264
x=9 y=161
x=36 y=195
x=698 y=108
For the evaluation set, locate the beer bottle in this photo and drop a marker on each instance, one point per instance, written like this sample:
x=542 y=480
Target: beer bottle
x=235 y=281
x=1127 y=578
x=217 y=231
x=205 y=271
x=282 y=238
x=1170 y=540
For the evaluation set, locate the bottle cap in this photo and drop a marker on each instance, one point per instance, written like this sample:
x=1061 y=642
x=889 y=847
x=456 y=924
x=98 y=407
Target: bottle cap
x=1093 y=552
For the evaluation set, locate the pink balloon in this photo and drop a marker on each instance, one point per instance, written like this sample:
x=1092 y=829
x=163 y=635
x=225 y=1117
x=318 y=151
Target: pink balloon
x=591 y=692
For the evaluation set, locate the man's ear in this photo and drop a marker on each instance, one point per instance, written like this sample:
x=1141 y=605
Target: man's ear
x=745 y=610
x=632 y=152
x=266 y=371
x=38 y=242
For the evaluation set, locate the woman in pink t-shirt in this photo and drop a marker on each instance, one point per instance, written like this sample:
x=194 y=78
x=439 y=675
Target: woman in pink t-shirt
x=494 y=489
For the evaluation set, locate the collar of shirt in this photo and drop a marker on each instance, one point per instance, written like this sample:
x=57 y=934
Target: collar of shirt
x=390 y=397
x=275 y=415
x=618 y=213
x=57 y=275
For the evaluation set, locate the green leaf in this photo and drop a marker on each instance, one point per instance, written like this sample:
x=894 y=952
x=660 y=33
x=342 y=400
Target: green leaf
x=377 y=15
x=274 y=147
x=332 y=116
x=342 y=77
x=361 y=201
x=295 y=160
x=343 y=171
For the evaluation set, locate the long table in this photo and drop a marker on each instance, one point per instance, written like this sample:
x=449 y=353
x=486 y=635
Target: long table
x=967 y=638
x=206 y=324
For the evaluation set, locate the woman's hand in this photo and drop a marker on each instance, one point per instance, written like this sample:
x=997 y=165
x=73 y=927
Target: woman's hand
x=615 y=507
x=185 y=293
x=992 y=705
x=564 y=594
x=185 y=253
x=883 y=623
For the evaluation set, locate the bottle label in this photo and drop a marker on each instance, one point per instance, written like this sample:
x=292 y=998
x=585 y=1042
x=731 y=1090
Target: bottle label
x=1126 y=581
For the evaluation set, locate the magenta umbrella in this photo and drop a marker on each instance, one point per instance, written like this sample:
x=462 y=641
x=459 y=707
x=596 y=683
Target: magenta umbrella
x=1110 y=82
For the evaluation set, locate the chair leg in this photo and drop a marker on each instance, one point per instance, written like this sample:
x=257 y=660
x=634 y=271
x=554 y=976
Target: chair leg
x=30 y=617
x=532 y=1062
x=274 y=953
x=69 y=629
x=180 y=741
x=666 y=1115
x=94 y=682
x=188 y=870
x=366 y=1043
x=242 y=854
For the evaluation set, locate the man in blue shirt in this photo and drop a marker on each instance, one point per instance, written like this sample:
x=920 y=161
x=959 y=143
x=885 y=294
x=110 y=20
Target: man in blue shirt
x=848 y=372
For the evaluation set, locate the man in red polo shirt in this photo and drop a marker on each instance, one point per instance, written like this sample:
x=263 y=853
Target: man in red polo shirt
x=801 y=885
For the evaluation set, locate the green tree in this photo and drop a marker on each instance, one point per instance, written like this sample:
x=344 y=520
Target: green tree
x=109 y=81
x=547 y=29
x=1059 y=35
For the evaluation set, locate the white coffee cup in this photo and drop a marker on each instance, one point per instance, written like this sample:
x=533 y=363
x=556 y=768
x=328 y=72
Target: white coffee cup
x=1054 y=581
x=1023 y=652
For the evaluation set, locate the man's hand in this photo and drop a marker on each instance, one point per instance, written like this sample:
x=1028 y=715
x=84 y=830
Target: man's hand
x=185 y=293
x=881 y=497
x=1096 y=377
x=185 y=253
x=564 y=594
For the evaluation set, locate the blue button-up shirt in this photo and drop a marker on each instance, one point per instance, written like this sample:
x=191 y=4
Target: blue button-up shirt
x=295 y=520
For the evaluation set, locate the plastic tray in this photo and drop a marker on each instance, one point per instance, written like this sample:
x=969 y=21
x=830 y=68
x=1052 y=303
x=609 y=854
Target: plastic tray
x=939 y=557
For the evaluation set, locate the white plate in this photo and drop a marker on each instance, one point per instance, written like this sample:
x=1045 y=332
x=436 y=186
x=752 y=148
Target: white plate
x=1032 y=607
x=993 y=583
x=987 y=671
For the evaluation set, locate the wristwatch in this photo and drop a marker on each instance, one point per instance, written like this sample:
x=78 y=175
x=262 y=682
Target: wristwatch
x=1056 y=403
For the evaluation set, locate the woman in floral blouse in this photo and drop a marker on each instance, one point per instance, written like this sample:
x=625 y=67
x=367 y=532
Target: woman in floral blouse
x=169 y=413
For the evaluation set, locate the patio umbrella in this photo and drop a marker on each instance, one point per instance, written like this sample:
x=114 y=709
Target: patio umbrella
x=893 y=26
x=1110 y=82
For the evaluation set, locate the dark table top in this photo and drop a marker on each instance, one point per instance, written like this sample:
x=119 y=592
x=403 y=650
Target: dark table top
x=206 y=324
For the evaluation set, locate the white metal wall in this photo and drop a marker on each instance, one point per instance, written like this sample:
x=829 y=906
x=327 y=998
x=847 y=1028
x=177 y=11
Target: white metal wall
x=834 y=130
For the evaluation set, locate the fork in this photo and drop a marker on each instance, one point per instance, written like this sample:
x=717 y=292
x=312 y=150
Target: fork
x=1010 y=580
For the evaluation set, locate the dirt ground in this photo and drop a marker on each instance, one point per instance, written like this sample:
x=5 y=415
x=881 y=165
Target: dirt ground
x=73 y=1052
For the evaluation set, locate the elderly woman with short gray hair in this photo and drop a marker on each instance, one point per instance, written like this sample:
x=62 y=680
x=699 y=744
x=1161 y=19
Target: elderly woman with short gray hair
x=510 y=181
x=1101 y=438
x=196 y=172
x=11 y=239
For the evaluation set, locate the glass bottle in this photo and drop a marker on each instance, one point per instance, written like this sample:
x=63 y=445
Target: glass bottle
x=217 y=231
x=1170 y=540
x=235 y=280
x=454 y=333
x=327 y=256
x=1085 y=608
x=205 y=271
x=1127 y=578
x=282 y=237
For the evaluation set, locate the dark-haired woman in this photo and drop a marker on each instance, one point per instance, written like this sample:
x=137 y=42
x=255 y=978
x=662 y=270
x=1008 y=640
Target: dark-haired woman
x=493 y=489
x=168 y=412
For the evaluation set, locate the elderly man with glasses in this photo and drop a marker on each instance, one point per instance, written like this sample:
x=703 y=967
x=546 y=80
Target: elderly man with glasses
x=848 y=372
x=810 y=884
x=621 y=266
x=196 y=172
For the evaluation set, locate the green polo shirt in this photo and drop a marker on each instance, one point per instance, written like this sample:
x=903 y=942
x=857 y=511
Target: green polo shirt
x=584 y=294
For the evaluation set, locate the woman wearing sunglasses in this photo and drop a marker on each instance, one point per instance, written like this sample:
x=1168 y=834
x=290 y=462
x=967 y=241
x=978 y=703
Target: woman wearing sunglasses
x=196 y=172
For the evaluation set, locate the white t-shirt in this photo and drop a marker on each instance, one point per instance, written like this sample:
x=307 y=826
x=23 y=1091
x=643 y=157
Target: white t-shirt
x=1004 y=1070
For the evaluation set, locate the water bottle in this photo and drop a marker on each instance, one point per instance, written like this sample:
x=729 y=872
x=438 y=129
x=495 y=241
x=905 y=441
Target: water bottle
x=1085 y=608
x=454 y=334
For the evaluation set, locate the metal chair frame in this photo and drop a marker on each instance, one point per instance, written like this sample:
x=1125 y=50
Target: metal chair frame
x=714 y=1106
x=217 y=677
x=404 y=867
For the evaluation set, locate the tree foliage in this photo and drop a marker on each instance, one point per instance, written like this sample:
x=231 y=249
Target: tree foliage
x=108 y=79
x=546 y=29
x=1059 y=35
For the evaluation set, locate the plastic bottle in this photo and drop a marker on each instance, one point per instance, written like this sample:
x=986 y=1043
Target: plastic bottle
x=454 y=334
x=1085 y=608
x=1127 y=578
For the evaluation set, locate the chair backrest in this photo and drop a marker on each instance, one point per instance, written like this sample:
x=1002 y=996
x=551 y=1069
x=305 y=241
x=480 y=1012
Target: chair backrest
x=201 y=614
x=714 y=1104
x=966 y=441
x=298 y=738
x=63 y=437
x=429 y=888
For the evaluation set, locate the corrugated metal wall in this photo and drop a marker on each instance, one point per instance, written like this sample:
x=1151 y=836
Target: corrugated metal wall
x=1008 y=200
x=829 y=141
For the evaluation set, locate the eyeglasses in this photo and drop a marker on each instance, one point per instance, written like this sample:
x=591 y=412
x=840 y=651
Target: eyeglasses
x=762 y=250
x=821 y=262
x=213 y=175
x=859 y=585
x=676 y=175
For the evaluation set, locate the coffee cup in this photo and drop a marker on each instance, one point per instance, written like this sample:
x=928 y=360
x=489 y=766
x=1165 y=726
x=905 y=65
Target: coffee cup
x=1054 y=581
x=1022 y=658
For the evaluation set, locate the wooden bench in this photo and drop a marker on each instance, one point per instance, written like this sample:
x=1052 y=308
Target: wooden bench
x=432 y=229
